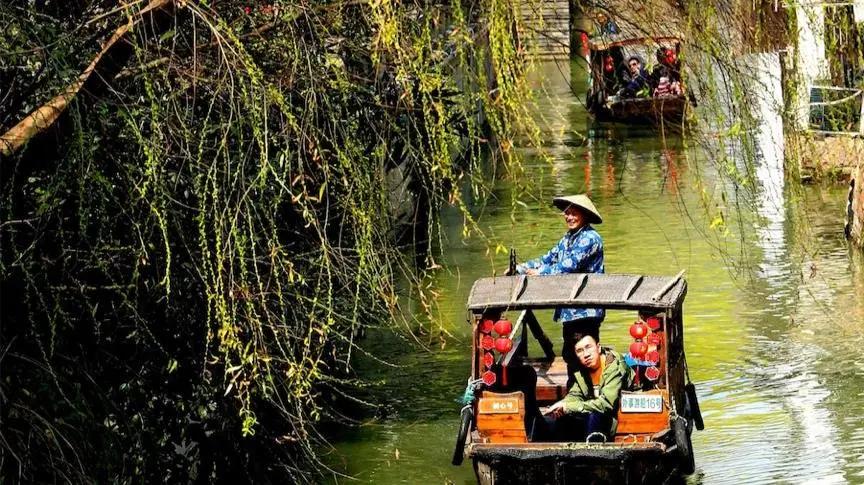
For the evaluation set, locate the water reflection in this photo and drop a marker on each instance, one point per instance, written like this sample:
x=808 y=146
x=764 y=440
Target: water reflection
x=773 y=345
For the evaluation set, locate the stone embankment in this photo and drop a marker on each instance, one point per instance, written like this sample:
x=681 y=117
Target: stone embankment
x=545 y=28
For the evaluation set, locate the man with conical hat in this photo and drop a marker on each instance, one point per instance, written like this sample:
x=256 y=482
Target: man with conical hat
x=579 y=251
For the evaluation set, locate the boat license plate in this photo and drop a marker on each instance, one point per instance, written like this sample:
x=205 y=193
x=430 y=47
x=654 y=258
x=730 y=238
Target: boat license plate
x=641 y=403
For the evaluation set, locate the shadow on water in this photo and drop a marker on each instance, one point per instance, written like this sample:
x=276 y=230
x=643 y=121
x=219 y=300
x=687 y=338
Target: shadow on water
x=773 y=315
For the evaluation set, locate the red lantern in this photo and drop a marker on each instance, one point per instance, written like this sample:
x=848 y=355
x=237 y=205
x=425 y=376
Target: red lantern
x=487 y=342
x=654 y=339
x=653 y=356
x=638 y=330
x=503 y=327
x=503 y=345
x=488 y=359
x=638 y=349
x=653 y=323
x=652 y=373
x=489 y=378
x=486 y=325
x=671 y=57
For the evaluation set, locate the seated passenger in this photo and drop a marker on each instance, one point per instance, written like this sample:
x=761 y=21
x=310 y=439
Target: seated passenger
x=666 y=88
x=591 y=406
x=638 y=84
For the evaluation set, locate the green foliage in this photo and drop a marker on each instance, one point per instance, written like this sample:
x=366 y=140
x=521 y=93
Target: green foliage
x=199 y=250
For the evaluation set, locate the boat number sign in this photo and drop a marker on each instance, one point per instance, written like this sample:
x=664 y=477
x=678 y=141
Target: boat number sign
x=641 y=403
x=499 y=405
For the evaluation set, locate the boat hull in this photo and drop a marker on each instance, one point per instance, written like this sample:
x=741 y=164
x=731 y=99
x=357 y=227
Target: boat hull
x=643 y=110
x=574 y=464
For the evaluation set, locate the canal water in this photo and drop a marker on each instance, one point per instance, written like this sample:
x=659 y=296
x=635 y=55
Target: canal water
x=773 y=319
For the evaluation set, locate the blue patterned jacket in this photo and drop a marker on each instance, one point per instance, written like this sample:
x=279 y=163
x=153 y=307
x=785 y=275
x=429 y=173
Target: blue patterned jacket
x=579 y=251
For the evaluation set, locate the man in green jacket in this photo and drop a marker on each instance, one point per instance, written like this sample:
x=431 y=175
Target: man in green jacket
x=591 y=405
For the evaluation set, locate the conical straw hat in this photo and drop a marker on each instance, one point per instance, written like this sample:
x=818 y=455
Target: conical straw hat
x=583 y=202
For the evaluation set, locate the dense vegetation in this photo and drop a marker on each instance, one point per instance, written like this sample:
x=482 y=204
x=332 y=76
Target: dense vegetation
x=188 y=257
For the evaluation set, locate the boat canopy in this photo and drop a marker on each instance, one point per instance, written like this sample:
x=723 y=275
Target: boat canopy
x=602 y=45
x=621 y=291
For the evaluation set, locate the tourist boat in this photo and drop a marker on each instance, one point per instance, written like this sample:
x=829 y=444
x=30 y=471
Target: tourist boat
x=607 y=62
x=655 y=419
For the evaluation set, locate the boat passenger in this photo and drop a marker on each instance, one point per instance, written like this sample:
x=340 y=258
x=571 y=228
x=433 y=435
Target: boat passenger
x=638 y=84
x=579 y=251
x=591 y=405
x=665 y=88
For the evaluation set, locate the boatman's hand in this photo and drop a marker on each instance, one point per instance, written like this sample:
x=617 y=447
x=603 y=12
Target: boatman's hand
x=556 y=410
x=531 y=271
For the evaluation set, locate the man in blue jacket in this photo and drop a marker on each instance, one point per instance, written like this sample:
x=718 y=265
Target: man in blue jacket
x=579 y=251
x=638 y=84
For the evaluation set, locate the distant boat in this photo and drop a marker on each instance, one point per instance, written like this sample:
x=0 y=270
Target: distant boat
x=609 y=74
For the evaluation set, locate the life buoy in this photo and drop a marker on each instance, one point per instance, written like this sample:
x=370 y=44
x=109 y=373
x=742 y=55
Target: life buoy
x=464 y=429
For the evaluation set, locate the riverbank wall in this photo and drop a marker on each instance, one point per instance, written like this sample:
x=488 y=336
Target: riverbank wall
x=828 y=158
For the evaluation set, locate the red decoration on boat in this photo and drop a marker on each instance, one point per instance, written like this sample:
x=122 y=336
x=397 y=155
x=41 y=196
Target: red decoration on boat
x=653 y=323
x=652 y=373
x=638 y=349
x=489 y=378
x=488 y=359
x=503 y=327
x=503 y=344
x=638 y=330
x=486 y=325
x=654 y=339
x=671 y=57
x=652 y=357
x=487 y=342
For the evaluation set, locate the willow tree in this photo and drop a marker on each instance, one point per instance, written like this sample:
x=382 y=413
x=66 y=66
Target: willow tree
x=191 y=247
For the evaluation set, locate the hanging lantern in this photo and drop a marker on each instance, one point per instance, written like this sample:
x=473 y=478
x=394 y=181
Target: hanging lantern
x=486 y=325
x=638 y=349
x=488 y=359
x=654 y=323
x=487 y=342
x=652 y=356
x=638 y=330
x=503 y=327
x=652 y=373
x=671 y=57
x=654 y=339
x=503 y=344
x=489 y=378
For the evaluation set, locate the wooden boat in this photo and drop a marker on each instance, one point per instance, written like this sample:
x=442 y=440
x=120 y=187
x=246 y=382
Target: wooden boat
x=609 y=73
x=655 y=420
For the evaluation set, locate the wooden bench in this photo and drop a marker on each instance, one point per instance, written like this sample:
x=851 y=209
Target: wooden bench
x=551 y=379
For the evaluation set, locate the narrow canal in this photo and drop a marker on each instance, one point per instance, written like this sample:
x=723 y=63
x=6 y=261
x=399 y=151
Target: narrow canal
x=773 y=318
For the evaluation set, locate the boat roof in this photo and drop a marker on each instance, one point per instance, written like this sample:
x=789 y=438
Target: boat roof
x=606 y=43
x=587 y=290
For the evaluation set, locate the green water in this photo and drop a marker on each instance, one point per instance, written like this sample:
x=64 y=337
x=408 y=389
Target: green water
x=773 y=318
